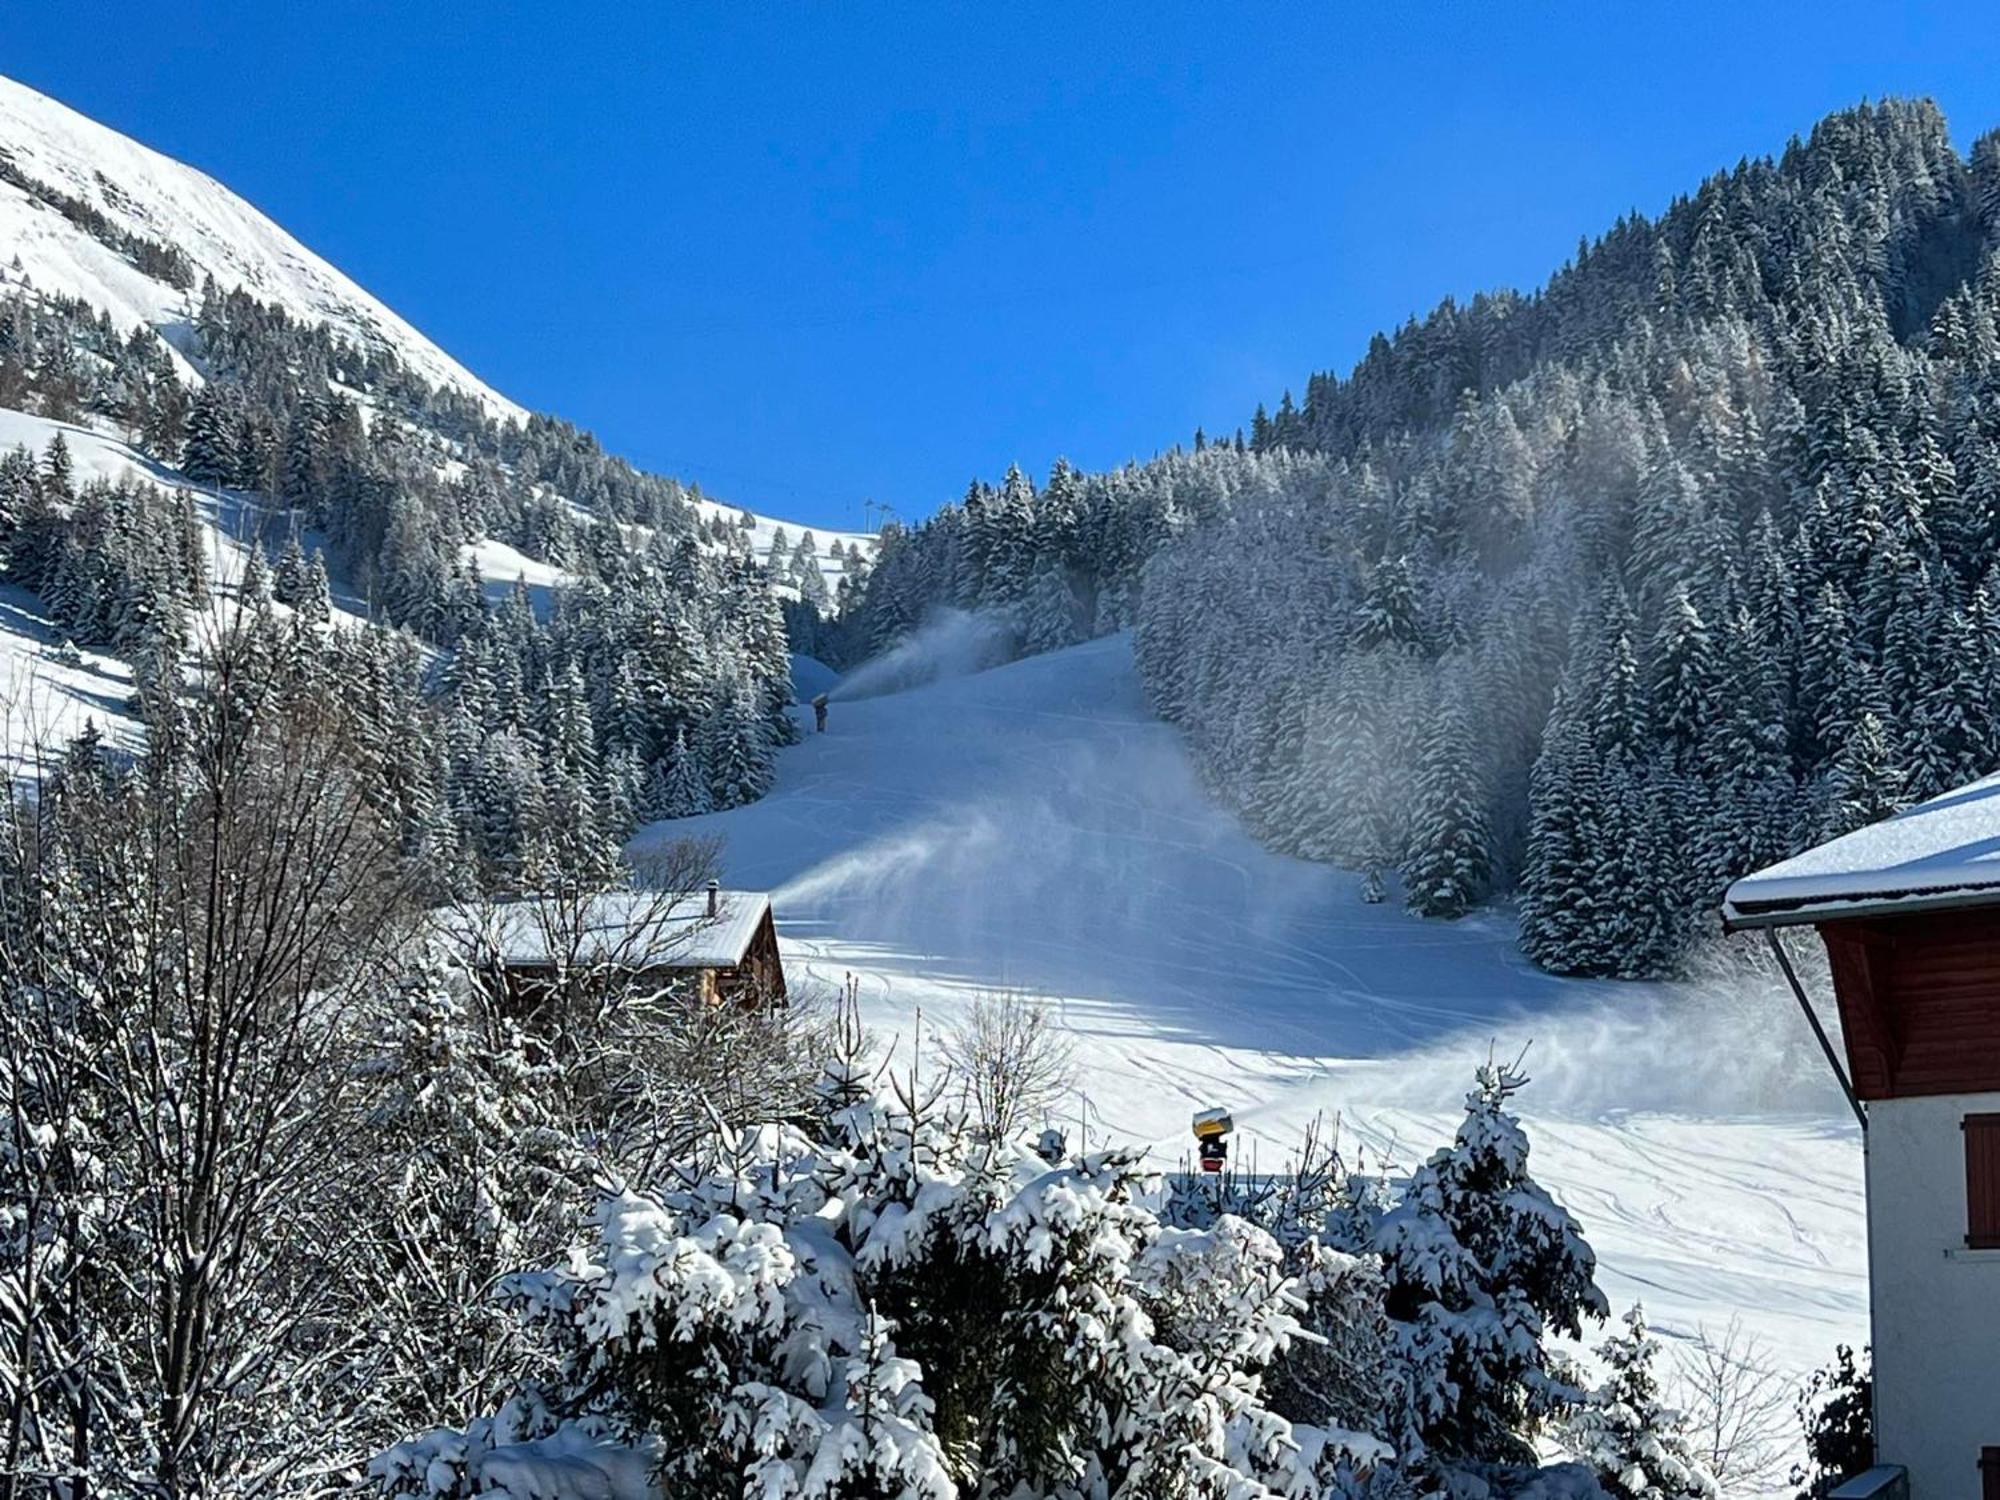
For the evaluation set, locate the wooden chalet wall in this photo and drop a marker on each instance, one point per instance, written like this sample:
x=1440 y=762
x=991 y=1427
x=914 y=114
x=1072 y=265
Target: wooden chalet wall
x=760 y=977
x=1919 y=1000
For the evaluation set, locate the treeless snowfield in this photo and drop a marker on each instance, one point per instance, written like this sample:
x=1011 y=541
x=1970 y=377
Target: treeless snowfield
x=1034 y=827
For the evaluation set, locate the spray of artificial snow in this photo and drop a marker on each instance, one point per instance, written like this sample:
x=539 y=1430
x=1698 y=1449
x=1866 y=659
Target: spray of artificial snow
x=1725 y=1041
x=952 y=643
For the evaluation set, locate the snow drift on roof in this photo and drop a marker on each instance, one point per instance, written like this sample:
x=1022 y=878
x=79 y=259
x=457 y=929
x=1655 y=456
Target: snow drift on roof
x=631 y=929
x=1943 y=850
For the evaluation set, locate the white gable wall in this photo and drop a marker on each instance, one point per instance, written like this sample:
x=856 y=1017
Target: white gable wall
x=1935 y=1304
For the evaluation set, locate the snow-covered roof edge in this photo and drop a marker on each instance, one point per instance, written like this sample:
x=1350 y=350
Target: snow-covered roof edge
x=1943 y=853
x=629 y=929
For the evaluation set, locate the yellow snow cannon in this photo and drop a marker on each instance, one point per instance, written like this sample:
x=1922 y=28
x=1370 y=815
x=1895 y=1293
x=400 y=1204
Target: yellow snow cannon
x=1211 y=1134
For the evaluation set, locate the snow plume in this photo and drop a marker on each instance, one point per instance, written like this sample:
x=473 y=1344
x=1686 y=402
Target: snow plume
x=952 y=643
x=1726 y=1040
x=883 y=870
x=1044 y=873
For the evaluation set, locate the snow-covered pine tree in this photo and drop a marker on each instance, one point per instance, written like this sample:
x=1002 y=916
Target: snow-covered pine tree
x=288 y=578
x=1387 y=615
x=1048 y=613
x=213 y=455
x=316 y=601
x=59 y=469
x=883 y=1448
x=766 y=647
x=1482 y=1265
x=684 y=783
x=255 y=584
x=808 y=577
x=1684 y=696
x=1636 y=1444
x=621 y=791
x=1865 y=783
x=734 y=749
x=1450 y=856
x=1008 y=520
x=303 y=485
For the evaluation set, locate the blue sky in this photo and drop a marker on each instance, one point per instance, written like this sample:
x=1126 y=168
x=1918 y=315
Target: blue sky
x=813 y=254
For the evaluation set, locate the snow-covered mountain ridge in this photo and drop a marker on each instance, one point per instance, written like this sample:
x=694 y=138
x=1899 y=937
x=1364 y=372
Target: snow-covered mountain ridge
x=60 y=171
x=154 y=196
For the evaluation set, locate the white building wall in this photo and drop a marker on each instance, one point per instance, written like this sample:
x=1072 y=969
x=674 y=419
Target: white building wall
x=1935 y=1304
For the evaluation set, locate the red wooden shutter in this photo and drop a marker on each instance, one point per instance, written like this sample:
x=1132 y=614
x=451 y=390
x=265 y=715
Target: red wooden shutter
x=1982 y=1181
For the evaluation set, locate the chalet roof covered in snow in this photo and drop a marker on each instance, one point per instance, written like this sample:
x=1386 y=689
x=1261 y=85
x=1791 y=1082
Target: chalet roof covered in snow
x=1944 y=852
x=631 y=929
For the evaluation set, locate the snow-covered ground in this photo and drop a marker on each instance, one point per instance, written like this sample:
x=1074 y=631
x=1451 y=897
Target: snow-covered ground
x=1034 y=827
x=502 y=565
x=764 y=531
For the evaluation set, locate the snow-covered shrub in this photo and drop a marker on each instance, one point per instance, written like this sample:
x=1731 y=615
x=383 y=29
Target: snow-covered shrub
x=1011 y=1060
x=879 y=1301
x=1341 y=1376
x=888 y=1306
x=1430 y=1310
x=1837 y=1411
x=1637 y=1445
x=1323 y=1214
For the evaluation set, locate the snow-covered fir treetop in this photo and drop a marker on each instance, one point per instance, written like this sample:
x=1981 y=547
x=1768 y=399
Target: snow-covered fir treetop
x=139 y=190
x=1942 y=852
x=629 y=929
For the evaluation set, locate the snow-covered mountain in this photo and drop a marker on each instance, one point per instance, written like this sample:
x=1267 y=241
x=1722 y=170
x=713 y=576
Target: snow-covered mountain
x=69 y=187
x=153 y=196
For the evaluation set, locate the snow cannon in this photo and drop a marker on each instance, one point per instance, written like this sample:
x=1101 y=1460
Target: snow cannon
x=1211 y=1134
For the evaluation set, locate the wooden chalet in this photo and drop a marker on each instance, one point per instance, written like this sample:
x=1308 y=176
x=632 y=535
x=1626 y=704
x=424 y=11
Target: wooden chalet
x=724 y=944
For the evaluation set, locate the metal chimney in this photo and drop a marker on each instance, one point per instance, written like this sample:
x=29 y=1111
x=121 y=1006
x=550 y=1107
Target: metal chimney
x=714 y=898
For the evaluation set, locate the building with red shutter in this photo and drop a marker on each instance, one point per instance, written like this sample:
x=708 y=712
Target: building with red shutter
x=1909 y=911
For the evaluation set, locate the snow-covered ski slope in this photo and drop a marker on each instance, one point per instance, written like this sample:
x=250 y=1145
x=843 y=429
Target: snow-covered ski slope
x=1035 y=827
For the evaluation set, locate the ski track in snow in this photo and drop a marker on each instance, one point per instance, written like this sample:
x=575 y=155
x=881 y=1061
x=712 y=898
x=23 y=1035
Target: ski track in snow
x=1035 y=828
